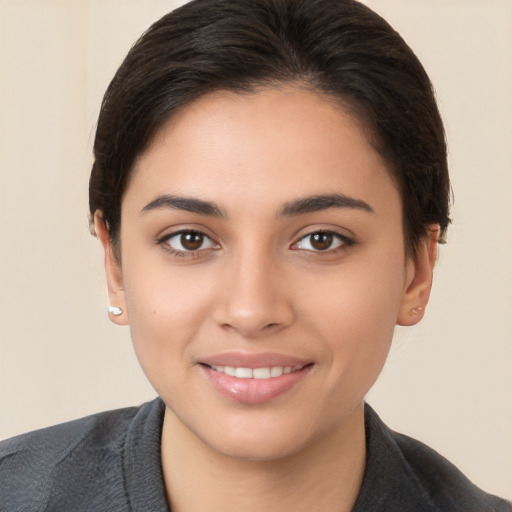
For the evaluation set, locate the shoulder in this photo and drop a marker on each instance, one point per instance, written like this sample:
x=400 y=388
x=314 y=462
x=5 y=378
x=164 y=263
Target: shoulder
x=85 y=453
x=416 y=477
x=447 y=486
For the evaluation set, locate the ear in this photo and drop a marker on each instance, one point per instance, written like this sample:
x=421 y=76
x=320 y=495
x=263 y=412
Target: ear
x=419 y=275
x=116 y=295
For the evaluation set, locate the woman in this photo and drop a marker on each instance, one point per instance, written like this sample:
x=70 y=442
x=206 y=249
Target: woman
x=269 y=187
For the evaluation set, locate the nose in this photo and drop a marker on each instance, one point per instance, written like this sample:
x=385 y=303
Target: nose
x=253 y=298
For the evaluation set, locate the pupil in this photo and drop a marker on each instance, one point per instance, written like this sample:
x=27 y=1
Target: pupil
x=321 y=241
x=191 y=241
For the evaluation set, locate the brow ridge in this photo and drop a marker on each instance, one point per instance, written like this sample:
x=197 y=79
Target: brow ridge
x=189 y=204
x=315 y=203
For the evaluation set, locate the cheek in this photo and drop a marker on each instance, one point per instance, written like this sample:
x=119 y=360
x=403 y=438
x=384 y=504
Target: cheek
x=166 y=310
x=356 y=311
x=365 y=293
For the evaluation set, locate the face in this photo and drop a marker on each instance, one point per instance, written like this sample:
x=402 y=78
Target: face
x=263 y=269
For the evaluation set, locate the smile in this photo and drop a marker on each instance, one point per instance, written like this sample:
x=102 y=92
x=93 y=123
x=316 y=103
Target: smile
x=261 y=379
x=256 y=373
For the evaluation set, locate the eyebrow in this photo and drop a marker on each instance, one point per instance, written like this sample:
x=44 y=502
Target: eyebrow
x=308 y=204
x=318 y=203
x=188 y=204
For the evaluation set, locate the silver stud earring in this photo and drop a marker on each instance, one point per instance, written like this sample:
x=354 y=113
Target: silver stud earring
x=115 y=310
x=415 y=311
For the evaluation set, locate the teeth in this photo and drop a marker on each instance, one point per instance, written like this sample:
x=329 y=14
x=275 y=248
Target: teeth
x=256 y=373
x=229 y=370
x=243 y=373
x=276 y=371
x=261 y=373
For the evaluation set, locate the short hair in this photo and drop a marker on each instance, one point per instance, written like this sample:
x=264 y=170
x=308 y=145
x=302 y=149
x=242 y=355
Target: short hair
x=340 y=48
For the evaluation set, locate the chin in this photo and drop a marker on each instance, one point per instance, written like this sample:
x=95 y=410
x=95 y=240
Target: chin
x=264 y=437
x=262 y=449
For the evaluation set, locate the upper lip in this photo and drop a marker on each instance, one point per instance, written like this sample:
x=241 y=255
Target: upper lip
x=253 y=360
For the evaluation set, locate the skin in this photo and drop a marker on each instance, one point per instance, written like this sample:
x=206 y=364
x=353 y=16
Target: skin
x=258 y=284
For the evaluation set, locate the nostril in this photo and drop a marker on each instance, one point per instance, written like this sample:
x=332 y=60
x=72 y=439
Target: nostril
x=252 y=312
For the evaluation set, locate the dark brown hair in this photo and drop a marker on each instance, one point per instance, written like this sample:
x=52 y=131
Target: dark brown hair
x=340 y=48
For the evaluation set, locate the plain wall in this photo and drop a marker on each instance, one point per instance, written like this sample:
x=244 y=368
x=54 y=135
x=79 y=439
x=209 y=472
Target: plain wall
x=447 y=382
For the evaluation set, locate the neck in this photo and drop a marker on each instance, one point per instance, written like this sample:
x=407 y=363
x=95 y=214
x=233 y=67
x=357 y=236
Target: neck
x=325 y=475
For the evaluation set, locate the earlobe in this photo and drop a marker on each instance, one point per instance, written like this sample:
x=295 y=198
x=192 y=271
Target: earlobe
x=117 y=301
x=419 y=280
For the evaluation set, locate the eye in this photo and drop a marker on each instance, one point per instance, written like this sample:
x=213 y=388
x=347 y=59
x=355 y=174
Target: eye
x=322 y=241
x=189 y=241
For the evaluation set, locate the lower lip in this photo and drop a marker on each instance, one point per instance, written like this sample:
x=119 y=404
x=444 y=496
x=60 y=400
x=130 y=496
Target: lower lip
x=253 y=391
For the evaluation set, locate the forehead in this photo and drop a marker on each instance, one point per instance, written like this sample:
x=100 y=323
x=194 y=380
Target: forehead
x=279 y=142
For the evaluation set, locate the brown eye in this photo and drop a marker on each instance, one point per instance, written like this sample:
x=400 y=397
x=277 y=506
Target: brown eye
x=322 y=241
x=189 y=241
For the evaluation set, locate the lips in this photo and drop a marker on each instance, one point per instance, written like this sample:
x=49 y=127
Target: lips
x=254 y=378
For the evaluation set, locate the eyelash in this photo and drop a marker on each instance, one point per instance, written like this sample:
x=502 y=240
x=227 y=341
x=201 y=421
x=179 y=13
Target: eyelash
x=344 y=243
x=164 y=241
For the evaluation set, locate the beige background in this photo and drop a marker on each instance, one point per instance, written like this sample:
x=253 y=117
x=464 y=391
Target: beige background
x=447 y=382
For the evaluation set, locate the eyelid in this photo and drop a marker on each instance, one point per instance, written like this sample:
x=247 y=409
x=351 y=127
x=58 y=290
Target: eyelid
x=164 y=241
x=169 y=231
x=344 y=240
